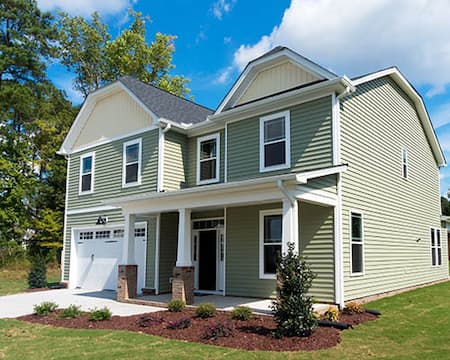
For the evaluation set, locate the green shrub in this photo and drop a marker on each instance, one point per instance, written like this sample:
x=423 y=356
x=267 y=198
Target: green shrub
x=218 y=330
x=100 y=314
x=45 y=308
x=37 y=277
x=205 y=311
x=293 y=307
x=353 y=308
x=332 y=314
x=241 y=313
x=176 y=305
x=149 y=320
x=71 y=312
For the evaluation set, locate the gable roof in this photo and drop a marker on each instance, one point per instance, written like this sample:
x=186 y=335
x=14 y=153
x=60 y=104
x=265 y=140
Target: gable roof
x=414 y=95
x=276 y=54
x=166 y=105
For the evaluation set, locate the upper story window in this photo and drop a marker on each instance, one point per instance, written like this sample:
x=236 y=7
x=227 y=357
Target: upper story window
x=270 y=237
x=132 y=155
x=405 y=163
x=356 y=243
x=87 y=174
x=208 y=159
x=436 y=247
x=274 y=142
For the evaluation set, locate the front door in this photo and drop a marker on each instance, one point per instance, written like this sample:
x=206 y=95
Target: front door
x=207 y=256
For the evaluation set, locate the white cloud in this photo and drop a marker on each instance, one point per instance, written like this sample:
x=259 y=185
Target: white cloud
x=441 y=116
x=86 y=7
x=224 y=75
x=221 y=7
x=227 y=39
x=360 y=36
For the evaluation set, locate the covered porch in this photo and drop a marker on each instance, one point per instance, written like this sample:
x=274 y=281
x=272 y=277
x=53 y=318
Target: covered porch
x=210 y=240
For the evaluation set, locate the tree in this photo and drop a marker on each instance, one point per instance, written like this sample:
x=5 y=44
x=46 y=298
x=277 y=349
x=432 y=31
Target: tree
x=88 y=51
x=445 y=206
x=293 y=308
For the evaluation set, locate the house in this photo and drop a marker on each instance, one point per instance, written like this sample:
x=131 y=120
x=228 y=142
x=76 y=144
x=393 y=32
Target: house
x=180 y=197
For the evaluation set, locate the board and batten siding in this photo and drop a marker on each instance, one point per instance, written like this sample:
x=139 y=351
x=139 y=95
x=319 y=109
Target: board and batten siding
x=311 y=141
x=175 y=161
x=115 y=218
x=108 y=171
x=192 y=157
x=112 y=116
x=377 y=122
x=242 y=250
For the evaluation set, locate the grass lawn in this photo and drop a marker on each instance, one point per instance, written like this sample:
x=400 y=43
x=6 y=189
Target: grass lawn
x=414 y=325
x=15 y=281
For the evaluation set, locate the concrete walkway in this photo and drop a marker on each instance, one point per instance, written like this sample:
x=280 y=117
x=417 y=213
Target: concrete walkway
x=22 y=304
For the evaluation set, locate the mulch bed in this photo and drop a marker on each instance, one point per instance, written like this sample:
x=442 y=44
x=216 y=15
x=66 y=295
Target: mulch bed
x=254 y=334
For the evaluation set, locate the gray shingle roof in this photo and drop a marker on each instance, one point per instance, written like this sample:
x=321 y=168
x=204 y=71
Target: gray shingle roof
x=165 y=104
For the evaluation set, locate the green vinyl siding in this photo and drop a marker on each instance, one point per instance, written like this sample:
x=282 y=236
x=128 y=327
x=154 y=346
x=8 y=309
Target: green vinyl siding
x=316 y=238
x=216 y=213
x=316 y=244
x=151 y=248
x=242 y=253
x=192 y=158
x=175 y=161
x=167 y=249
x=310 y=134
x=377 y=122
x=324 y=183
x=108 y=171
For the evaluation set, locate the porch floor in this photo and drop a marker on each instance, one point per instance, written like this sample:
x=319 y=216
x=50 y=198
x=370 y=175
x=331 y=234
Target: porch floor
x=227 y=302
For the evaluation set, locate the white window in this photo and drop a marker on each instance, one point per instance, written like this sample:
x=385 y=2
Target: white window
x=103 y=234
x=118 y=233
x=436 y=247
x=405 y=163
x=356 y=243
x=139 y=232
x=274 y=142
x=87 y=174
x=132 y=163
x=208 y=159
x=86 y=235
x=270 y=234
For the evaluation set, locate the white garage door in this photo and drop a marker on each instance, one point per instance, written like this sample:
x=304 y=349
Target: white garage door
x=99 y=253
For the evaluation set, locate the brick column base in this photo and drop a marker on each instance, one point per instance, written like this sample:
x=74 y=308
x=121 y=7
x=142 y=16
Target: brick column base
x=127 y=282
x=183 y=284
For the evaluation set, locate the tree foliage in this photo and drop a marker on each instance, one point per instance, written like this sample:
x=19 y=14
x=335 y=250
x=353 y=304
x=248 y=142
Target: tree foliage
x=445 y=206
x=90 y=52
x=293 y=307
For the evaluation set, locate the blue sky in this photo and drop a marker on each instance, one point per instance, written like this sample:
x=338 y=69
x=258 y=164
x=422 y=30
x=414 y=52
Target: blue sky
x=216 y=38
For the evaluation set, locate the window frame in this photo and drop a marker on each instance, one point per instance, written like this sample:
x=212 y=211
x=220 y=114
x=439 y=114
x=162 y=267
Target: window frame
x=434 y=249
x=405 y=163
x=124 y=163
x=287 y=140
x=361 y=273
x=262 y=215
x=80 y=180
x=216 y=137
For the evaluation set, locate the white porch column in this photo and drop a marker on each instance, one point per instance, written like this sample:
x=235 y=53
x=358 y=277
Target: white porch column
x=184 y=257
x=128 y=257
x=290 y=225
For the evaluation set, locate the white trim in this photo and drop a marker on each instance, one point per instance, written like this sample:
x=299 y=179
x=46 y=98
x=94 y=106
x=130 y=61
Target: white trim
x=91 y=209
x=257 y=65
x=184 y=250
x=435 y=248
x=316 y=196
x=66 y=206
x=418 y=101
x=303 y=177
x=287 y=141
x=339 y=248
x=103 y=141
x=335 y=104
x=84 y=156
x=405 y=163
x=262 y=214
x=161 y=146
x=124 y=163
x=357 y=212
x=157 y=243
x=216 y=137
x=225 y=155
x=224 y=250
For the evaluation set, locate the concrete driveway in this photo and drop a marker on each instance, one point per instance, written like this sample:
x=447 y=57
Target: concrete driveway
x=22 y=304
